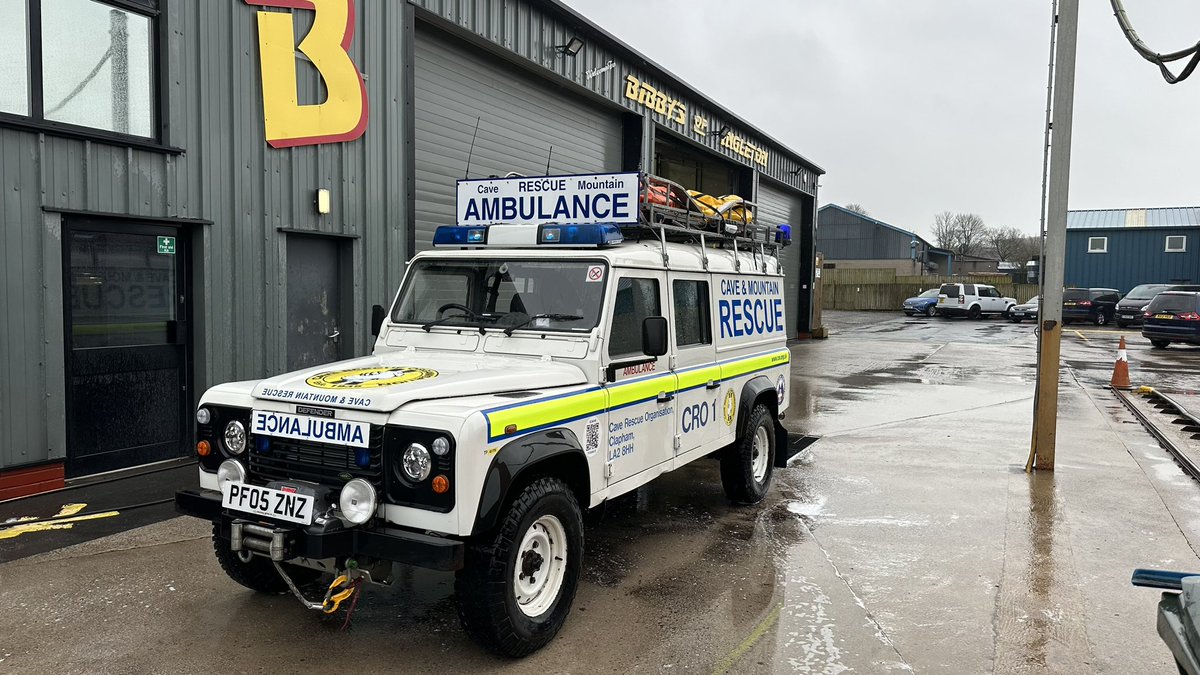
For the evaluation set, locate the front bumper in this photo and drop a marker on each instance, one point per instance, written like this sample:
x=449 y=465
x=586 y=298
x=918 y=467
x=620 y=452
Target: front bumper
x=332 y=539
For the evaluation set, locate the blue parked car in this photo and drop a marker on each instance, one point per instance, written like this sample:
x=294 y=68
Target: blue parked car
x=925 y=303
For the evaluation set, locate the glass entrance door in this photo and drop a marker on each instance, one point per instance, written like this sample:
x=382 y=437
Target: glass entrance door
x=128 y=374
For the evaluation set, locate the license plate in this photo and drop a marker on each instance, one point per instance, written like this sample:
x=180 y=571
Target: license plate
x=305 y=428
x=1068 y=304
x=941 y=301
x=1164 y=316
x=277 y=504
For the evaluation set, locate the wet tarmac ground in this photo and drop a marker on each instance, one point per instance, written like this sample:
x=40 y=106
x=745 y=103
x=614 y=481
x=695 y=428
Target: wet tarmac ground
x=908 y=539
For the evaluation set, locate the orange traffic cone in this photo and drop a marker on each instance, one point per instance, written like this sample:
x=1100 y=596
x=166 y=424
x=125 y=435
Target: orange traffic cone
x=1120 y=376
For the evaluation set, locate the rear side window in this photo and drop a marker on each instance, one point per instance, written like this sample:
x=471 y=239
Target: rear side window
x=949 y=290
x=1175 y=304
x=693 y=323
x=636 y=299
x=968 y=289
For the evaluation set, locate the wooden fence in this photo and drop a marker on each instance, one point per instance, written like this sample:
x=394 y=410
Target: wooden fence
x=883 y=289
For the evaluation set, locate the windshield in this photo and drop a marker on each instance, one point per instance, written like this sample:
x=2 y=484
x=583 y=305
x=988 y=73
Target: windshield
x=1146 y=291
x=931 y=293
x=559 y=295
x=1034 y=300
x=1175 y=304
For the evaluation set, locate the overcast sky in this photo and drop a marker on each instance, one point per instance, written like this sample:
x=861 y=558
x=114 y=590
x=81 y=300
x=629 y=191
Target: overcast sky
x=919 y=106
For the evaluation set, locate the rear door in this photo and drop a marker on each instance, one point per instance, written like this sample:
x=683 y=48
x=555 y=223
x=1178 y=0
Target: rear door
x=698 y=408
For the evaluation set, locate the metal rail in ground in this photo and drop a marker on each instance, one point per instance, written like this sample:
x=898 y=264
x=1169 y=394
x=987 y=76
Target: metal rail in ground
x=1179 y=417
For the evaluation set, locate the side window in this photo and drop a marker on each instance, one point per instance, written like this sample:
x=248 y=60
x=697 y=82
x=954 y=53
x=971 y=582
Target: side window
x=968 y=289
x=693 y=323
x=635 y=300
x=1097 y=245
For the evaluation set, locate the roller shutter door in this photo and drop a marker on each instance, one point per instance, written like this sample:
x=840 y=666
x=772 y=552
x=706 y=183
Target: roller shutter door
x=520 y=118
x=775 y=206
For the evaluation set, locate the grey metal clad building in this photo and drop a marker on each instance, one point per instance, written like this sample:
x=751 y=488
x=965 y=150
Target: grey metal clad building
x=851 y=240
x=190 y=200
x=1122 y=248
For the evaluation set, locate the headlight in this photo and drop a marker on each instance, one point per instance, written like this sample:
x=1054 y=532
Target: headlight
x=358 y=501
x=230 y=471
x=235 y=437
x=441 y=445
x=203 y=416
x=416 y=462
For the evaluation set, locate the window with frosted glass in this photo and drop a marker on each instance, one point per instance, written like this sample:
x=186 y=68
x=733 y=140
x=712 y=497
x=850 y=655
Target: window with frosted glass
x=96 y=67
x=14 y=55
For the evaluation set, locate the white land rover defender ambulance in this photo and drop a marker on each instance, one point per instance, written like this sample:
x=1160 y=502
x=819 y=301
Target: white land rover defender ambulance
x=566 y=343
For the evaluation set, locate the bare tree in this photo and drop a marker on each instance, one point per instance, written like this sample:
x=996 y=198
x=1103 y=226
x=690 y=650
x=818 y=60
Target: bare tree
x=962 y=233
x=857 y=208
x=1008 y=244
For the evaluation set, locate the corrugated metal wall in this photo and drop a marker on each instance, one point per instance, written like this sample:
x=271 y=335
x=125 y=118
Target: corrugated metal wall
x=227 y=175
x=1135 y=256
x=520 y=118
x=845 y=236
x=777 y=205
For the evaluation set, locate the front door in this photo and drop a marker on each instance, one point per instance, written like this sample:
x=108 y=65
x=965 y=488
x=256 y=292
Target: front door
x=127 y=372
x=315 y=332
x=641 y=398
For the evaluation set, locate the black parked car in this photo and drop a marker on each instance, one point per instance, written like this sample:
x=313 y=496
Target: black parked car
x=1130 y=308
x=1097 y=305
x=1173 y=316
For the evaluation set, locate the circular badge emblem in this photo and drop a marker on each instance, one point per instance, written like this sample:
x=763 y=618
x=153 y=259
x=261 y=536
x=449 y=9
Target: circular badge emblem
x=729 y=408
x=369 y=378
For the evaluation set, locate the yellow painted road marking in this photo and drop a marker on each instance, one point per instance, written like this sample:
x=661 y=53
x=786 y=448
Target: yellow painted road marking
x=754 y=636
x=1081 y=336
x=65 y=519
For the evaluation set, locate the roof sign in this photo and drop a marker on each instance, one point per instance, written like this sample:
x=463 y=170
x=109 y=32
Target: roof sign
x=578 y=199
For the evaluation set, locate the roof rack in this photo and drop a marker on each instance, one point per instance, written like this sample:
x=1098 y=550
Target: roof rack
x=668 y=212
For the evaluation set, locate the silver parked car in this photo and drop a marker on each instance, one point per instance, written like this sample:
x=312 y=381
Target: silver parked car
x=1026 y=310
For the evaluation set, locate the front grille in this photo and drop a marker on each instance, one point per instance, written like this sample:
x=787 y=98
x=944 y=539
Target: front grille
x=323 y=463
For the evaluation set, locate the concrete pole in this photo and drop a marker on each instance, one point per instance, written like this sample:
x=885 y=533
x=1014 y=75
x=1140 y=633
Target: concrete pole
x=1045 y=414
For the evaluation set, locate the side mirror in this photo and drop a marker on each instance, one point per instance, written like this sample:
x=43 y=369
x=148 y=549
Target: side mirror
x=378 y=314
x=654 y=336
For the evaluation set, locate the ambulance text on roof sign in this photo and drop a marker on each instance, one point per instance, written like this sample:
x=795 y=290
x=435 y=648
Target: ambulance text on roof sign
x=592 y=198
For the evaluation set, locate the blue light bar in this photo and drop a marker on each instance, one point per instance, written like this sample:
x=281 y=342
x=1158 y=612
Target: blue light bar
x=589 y=234
x=784 y=235
x=454 y=235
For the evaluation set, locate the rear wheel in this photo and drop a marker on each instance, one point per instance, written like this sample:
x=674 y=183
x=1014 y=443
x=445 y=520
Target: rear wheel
x=747 y=466
x=974 y=312
x=518 y=581
x=1101 y=318
x=1161 y=344
x=256 y=572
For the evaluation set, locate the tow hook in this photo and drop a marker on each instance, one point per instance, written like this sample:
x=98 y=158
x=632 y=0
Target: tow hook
x=345 y=585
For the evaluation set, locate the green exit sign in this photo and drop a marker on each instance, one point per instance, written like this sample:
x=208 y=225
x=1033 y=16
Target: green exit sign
x=166 y=245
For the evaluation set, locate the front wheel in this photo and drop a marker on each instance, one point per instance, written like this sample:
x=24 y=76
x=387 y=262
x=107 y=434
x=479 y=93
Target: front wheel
x=518 y=581
x=1161 y=344
x=747 y=466
x=930 y=311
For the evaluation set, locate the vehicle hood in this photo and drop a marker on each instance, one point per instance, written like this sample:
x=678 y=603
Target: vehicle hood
x=1027 y=306
x=917 y=300
x=385 y=382
x=1134 y=303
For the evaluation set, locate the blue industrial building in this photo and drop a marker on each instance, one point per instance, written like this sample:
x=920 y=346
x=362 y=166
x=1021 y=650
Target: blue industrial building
x=1121 y=248
x=852 y=240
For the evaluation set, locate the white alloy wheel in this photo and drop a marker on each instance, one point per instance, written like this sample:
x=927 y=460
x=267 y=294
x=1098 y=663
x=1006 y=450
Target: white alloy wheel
x=540 y=566
x=759 y=459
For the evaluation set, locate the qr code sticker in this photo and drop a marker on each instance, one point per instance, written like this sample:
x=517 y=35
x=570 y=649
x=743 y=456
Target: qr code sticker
x=592 y=442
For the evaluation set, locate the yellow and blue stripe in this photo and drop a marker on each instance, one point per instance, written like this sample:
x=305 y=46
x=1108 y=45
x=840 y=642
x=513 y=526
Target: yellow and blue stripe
x=559 y=409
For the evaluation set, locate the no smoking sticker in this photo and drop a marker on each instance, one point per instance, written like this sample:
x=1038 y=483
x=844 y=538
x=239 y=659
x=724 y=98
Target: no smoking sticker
x=595 y=273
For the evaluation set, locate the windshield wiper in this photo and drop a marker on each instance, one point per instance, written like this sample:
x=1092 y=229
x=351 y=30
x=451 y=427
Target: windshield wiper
x=444 y=319
x=548 y=315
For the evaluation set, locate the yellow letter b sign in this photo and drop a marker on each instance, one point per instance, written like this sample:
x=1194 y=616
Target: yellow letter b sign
x=343 y=114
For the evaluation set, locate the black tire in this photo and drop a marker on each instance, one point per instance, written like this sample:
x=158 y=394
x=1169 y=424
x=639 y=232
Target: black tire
x=1101 y=319
x=737 y=460
x=1161 y=344
x=931 y=311
x=257 y=574
x=974 y=313
x=488 y=605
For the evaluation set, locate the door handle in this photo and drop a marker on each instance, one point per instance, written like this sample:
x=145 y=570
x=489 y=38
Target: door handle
x=334 y=335
x=713 y=384
x=664 y=396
